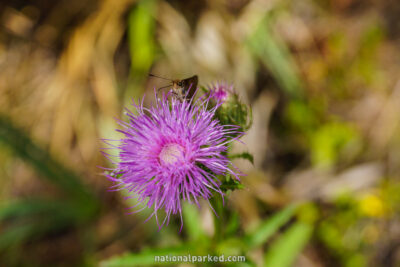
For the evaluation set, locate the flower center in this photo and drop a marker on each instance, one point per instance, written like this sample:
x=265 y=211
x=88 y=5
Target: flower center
x=171 y=153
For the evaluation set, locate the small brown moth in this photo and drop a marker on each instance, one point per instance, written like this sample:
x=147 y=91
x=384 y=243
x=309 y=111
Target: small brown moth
x=184 y=89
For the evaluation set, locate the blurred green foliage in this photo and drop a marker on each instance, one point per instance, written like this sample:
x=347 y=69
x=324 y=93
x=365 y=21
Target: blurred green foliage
x=141 y=28
x=33 y=218
x=274 y=54
x=283 y=251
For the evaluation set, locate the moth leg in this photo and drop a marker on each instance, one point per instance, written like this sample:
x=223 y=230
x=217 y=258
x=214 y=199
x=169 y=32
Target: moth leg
x=159 y=89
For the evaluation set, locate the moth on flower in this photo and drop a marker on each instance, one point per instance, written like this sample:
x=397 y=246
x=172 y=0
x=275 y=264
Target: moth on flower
x=184 y=89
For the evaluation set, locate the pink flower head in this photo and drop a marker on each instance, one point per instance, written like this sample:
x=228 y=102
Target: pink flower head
x=170 y=152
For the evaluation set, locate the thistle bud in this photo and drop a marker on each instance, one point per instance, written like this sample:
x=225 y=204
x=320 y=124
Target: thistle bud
x=231 y=110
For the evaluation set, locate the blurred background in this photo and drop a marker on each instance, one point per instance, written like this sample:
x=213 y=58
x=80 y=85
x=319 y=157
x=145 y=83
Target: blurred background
x=322 y=78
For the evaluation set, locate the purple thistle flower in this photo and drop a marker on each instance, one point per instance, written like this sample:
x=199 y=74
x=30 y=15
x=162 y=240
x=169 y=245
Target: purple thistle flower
x=172 y=152
x=220 y=91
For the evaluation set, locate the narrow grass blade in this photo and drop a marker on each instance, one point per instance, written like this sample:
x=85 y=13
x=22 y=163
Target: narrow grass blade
x=265 y=230
x=274 y=54
x=45 y=165
x=284 y=251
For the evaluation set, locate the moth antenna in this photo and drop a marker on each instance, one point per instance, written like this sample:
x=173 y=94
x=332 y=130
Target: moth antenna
x=158 y=90
x=152 y=75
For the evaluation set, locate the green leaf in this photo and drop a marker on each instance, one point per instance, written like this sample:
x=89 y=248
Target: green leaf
x=284 y=251
x=230 y=184
x=269 y=227
x=244 y=155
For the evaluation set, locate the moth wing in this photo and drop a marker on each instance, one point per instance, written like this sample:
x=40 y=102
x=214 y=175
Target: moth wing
x=190 y=86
